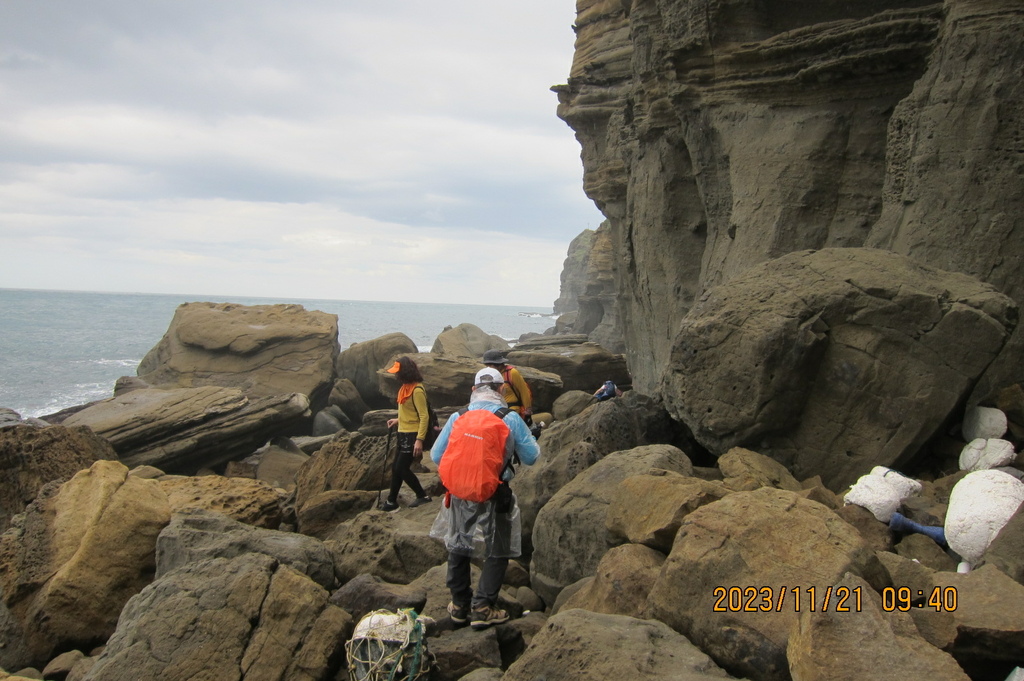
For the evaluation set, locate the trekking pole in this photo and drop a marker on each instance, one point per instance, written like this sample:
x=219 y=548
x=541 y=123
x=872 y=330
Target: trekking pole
x=384 y=466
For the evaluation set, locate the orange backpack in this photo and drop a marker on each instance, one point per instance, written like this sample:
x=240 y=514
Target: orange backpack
x=473 y=460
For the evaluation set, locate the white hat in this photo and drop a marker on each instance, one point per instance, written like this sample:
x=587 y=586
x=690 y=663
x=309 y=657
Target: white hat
x=488 y=376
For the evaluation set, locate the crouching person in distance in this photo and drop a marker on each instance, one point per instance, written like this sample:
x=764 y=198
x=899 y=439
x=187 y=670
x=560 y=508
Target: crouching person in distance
x=475 y=453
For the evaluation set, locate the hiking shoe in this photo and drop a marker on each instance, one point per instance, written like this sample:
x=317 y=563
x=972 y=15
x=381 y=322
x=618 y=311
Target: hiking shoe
x=389 y=506
x=458 y=613
x=420 y=501
x=481 y=618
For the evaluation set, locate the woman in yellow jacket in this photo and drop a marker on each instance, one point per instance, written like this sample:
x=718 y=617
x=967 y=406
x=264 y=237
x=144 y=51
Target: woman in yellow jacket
x=412 y=421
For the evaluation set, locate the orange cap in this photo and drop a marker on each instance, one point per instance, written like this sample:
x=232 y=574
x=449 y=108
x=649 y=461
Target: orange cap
x=394 y=368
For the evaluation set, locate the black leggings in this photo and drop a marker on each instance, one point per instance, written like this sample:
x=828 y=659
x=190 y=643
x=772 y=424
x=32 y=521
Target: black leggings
x=400 y=472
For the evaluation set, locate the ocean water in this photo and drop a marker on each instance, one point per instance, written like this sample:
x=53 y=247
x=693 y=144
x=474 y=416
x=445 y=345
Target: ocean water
x=59 y=349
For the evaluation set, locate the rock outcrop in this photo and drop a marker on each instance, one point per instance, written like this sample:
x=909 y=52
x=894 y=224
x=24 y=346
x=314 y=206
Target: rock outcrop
x=580 y=366
x=467 y=340
x=833 y=361
x=30 y=457
x=719 y=135
x=245 y=618
x=573 y=280
x=263 y=350
x=182 y=430
x=84 y=549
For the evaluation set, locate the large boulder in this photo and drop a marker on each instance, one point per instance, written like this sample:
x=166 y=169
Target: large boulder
x=185 y=429
x=986 y=606
x=649 y=508
x=252 y=502
x=262 y=349
x=833 y=361
x=196 y=535
x=570 y=535
x=350 y=462
x=360 y=362
x=769 y=541
x=396 y=547
x=31 y=457
x=621 y=583
x=249 y=617
x=577 y=644
x=581 y=366
x=570 y=447
x=467 y=340
x=84 y=549
x=829 y=645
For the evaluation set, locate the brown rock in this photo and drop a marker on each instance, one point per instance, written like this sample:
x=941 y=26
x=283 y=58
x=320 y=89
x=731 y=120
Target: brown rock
x=570 y=447
x=580 y=366
x=648 y=509
x=622 y=582
x=351 y=461
x=31 y=457
x=263 y=350
x=183 y=430
x=360 y=362
x=770 y=539
x=85 y=548
x=252 y=502
x=745 y=471
x=393 y=546
x=323 y=512
x=366 y=593
x=829 y=645
x=990 y=629
x=467 y=340
x=578 y=644
x=570 y=535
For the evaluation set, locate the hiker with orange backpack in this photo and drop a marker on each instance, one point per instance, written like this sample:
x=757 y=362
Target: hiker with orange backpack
x=474 y=453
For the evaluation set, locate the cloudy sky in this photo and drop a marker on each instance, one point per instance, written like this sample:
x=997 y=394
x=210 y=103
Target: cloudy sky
x=395 y=150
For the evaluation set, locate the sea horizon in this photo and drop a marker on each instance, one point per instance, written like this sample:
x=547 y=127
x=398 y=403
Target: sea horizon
x=62 y=348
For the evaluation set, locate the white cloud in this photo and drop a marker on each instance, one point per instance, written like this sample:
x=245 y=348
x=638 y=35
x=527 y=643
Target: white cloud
x=309 y=149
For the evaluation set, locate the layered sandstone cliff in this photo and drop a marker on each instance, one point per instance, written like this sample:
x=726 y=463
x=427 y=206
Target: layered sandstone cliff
x=719 y=134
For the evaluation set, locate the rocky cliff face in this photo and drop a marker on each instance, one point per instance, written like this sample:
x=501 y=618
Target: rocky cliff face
x=720 y=134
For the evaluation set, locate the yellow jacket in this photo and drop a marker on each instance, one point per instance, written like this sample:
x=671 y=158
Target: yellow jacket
x=516 y=392
x=412 y=414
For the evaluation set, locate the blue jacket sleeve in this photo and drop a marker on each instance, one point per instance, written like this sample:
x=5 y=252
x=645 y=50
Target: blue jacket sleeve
x=526 y=445
x=437 y=451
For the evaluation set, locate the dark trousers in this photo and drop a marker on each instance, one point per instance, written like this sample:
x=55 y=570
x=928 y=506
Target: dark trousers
x=401 y=471
x=459 y=578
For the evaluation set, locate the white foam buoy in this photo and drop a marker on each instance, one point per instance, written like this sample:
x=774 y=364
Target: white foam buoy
x=979 y=506
x=981 y=454
x=983 y=422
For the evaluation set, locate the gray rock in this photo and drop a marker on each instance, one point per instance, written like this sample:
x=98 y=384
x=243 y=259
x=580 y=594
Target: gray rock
x=194 y=536
x=570 y=447
x=835 y=361
x=580 y=366
x=570 y=403
x=467 y=340
x=561 y=555
x=218 y=618
x=185 y=429
x=366 y=593
x=580 y=644
x=360 y=362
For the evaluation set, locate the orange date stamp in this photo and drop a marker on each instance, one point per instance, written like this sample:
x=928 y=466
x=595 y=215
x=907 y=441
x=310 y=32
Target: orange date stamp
x=829 y=599
x=786 y=598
